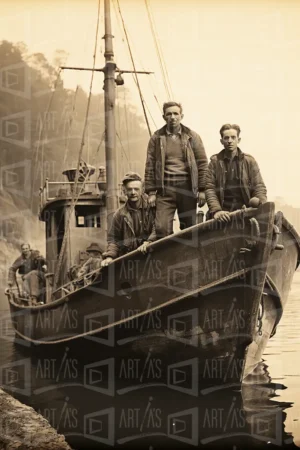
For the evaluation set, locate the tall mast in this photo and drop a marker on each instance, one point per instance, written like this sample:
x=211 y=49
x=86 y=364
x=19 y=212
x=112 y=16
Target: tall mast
x=110 y=81
x=109 y=70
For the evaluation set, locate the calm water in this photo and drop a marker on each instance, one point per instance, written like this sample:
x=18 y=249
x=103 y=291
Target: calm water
x=97 y=411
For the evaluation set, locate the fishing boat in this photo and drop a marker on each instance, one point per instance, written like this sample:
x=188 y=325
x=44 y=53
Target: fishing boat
x=204 y=300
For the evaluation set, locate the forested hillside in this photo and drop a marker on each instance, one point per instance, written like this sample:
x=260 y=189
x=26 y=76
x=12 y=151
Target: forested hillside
x=41 y=133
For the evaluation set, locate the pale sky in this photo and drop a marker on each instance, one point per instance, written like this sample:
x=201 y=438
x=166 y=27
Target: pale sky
x=228 y=61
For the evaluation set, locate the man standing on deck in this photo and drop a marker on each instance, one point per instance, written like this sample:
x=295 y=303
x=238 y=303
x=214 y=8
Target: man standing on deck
x=233 y=178
x=175 y=172
x=132 y=226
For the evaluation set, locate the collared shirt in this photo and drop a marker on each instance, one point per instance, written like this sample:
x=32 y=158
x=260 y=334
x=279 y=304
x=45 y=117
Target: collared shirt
x=231 y=167
x=174 y=135
x=233 y=197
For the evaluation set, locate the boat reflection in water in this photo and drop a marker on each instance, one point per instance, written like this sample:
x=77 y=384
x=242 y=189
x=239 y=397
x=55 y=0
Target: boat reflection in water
x=265 y=415
x=141 y=404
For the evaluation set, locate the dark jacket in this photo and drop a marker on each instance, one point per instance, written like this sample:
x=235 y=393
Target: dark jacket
x=251 y=182
x=194 y=153
x=121 y=237
x=24 y=266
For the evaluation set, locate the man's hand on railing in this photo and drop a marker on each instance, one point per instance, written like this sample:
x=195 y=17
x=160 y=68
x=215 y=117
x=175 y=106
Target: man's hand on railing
x=222 y=216
x=144 y=247
x=106 y=261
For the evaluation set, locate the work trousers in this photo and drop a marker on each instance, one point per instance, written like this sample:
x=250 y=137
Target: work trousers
x=33 y=283
x=177 y=195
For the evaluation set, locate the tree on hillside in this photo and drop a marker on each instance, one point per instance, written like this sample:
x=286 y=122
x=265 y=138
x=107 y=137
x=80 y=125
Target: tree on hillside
x=40 y=134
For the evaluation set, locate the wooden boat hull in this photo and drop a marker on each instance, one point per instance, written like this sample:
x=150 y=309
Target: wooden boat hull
x=281 y=267
x=192 y=302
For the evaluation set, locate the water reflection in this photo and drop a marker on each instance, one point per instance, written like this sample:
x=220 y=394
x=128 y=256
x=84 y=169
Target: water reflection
x=96 y=405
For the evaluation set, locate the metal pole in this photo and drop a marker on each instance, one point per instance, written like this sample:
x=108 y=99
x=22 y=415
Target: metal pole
x=112 y=201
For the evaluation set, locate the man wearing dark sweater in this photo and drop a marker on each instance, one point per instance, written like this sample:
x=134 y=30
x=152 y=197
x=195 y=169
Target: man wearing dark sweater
x=175 y=172
x=233 y=178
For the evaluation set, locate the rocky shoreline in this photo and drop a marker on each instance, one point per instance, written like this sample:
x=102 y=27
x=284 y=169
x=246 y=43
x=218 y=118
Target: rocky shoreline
x=22 y=428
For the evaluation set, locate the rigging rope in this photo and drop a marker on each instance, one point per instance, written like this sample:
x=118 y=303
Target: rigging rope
x=160 y=54
x=141 y=64
x=148 y=109
x=133 y=64
x=99 y=146
x=123 y=148
x=157 y=102
x=120 y=136
x=134 y=79
x=127 y=130
x=70 y=127
x=73 y=200
x=43 y=141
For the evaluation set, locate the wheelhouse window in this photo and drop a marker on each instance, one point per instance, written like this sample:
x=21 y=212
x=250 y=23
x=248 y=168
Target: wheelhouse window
x=87 y=217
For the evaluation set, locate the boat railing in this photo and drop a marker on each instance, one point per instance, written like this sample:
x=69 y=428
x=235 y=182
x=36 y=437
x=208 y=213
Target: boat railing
x=17 y=297
x=52 y=190
x=74 y=285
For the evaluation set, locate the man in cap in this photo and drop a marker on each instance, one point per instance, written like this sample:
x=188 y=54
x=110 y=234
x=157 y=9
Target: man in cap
x=94 y=261
x=175 y=172
x=133 y=223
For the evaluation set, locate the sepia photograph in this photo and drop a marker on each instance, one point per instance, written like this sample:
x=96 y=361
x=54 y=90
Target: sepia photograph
x=150 y=224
